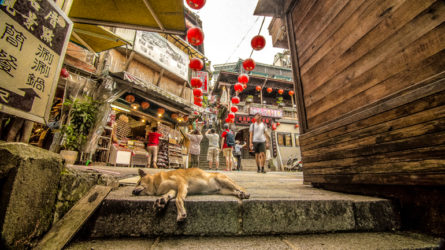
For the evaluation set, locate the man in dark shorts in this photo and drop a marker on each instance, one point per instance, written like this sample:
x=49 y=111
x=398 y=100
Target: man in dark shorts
x=259 y=141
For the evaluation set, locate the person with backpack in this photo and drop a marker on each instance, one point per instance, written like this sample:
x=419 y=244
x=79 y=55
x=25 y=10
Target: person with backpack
x=259 y=141
x=227 y=143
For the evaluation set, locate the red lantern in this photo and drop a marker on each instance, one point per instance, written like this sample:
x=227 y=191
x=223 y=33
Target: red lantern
x=269 y=90
x=280 y=91
x=186 y=118
x=238 y=87
x=130 y=98
x=161 y=111
x=196 y=4
x=64 y=73
x=278 y=124
x=234 y=109
x=195 y=113
x=197 y=92
x=235 y=100
x=145 y=105
x=195 y=36
x=198 y=104
x=258 y=88
x=197 y=99
x=296 y=126
x=253 y=120
x=196 y=64
x=227 y=120
x=258 y=42
x=231 y=115
x=249 y=64
x=243 y=78
x=196 y=82
x=274 y=127
x=174 y=116
x=291 y=92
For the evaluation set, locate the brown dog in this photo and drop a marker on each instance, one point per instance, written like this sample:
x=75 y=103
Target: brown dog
x=178 y=183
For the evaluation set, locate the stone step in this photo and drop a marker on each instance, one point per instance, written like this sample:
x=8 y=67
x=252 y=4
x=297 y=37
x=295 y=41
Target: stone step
x=368 y=240
x=279 y=204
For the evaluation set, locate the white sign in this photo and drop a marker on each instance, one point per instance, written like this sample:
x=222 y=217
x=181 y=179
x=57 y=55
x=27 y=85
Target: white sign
x=161 y=51
x=33 y=40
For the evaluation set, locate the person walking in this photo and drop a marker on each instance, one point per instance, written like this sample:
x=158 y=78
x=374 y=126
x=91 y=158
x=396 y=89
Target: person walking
x=195 y=147
x=213 y=151
x=153 y=147
x=227 y=143
x=237 y=152
x=259 y=141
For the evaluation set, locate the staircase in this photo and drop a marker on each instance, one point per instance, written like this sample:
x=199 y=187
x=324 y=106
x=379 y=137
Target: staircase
x=203 y=163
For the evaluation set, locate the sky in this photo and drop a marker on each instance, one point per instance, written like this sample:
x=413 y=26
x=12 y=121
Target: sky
x=229 y=26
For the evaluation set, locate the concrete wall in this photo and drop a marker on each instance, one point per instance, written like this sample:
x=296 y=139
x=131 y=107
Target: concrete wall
x=286 y=152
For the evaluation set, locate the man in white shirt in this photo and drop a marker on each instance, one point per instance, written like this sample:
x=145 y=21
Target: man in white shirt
x=259 y=141
x=213 y=152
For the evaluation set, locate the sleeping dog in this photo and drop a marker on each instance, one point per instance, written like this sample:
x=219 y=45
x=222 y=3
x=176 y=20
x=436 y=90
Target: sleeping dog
x=178 y=183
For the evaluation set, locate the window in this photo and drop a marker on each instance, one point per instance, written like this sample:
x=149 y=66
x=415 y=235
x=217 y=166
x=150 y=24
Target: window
x=297 y=140
x=284 y=139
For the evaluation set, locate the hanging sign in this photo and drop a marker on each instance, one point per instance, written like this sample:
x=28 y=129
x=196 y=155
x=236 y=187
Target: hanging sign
x=33 y=40
x=204 y=76
x=276 y=113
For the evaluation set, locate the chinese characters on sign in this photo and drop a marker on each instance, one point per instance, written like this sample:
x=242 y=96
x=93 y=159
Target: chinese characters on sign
x=33 y=38
x=204 y=76
x=276 y=113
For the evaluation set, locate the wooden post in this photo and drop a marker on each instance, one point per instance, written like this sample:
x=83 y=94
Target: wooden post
x=160 y=77
x=127 y=64
x=183 y=89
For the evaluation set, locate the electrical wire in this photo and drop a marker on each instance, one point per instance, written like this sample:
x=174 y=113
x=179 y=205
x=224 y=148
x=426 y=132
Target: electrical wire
x=259 y=32
x=244 y=37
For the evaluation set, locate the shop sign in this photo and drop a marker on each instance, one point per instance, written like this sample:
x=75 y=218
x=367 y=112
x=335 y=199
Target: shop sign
x=161 y=51
x=247 y=120
x=276 y=113
x=204 y=76
x=33 y=40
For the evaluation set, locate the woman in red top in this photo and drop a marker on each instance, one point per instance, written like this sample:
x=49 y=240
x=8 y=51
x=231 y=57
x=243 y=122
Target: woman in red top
x=153 y=146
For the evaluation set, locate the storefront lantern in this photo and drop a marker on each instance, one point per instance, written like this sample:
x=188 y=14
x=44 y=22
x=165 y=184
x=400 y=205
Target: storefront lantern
x=145 y=105
x=238 y=87
x=269 y=90
x=186 y=118
x=130 y=98
x=196 y=4
x=291 y=92
x=244 y=86
x=195 y=36
x=253 y=120
x=198 y=104
x=161 y=111
x=227 y=120
x=249 y=64
x=296 y=126
x=196 y=82
x=196 y=64
x=258 y=42
x=234 y=109
x=197 y=99
x=174 y=116
x=235 y=100
x=197 y=92
x=195 y=113
x=278 y=124
x=280 y=91
x=274 y=127
x=258 y=88
x=243 y=78
x=231 y=115
x=64 y=73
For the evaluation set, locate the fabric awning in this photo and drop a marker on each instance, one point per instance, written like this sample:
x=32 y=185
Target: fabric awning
x=166 y=16
x=95 y=38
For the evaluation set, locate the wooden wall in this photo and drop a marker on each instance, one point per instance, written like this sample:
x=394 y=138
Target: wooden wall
x=370 y=79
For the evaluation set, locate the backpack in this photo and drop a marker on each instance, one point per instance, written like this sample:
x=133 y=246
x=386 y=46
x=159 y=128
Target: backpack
x=230 y=139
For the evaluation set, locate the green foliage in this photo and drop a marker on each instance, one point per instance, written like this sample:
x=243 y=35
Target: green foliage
x=249 y=98
x=82 y=118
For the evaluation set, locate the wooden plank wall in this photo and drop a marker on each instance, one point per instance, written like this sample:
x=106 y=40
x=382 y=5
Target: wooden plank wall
x=372 y=77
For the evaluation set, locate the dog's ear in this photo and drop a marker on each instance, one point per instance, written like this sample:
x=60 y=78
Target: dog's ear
x=142 y=173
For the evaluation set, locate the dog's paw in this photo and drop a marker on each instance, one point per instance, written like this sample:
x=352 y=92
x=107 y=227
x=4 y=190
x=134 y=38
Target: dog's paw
x=160 y=203
x=181 y=217
x=243 y=195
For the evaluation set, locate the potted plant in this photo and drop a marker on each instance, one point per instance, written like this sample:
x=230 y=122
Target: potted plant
x=81 y=118
x=280 y=101
x=249 y=98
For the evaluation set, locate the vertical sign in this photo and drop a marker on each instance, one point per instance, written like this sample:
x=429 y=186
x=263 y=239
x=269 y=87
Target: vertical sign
x=204 y=76
x=33 y=38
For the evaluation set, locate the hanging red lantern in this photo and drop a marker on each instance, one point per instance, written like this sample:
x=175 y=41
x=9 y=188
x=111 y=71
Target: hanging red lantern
x=231 y=115
x=258 y=88
x=197 y=92
x=198 y=104
x=64 y=73
x=291 y=92
x=253 y=120
x=145 y=105
x=243 y=78
x=278 y=124
x=244 y=86
x=280 y=91
x=258 y=42
x=296 y=126
x=197 y=99
x=186 y=118
x=196 y=64
x=196 y=82
x=161 y=111
x=238 y=87
x=227 y=120
x=234 y=109
x=174 y=116
x=269 y=90
x=196 y=4
x=130 y=98
x=235 y=100
x=274 y=127
x=195 y=113
x=249 y=64
x=195 y=36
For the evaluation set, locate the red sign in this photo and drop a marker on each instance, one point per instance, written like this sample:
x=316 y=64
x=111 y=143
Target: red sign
x=247 y=120
x=204 y=76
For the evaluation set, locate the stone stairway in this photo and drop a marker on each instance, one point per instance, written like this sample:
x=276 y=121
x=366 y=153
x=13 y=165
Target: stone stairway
x=279 y=205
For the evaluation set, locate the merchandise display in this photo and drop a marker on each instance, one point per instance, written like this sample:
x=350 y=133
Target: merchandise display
x=171 y=151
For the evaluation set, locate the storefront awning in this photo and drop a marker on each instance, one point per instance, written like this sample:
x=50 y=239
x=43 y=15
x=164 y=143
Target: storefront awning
x=184 y=46
x=166 y=16
x=95 y=38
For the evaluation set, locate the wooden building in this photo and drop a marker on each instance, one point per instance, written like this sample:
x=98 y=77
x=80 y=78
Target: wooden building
x=370 y=85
